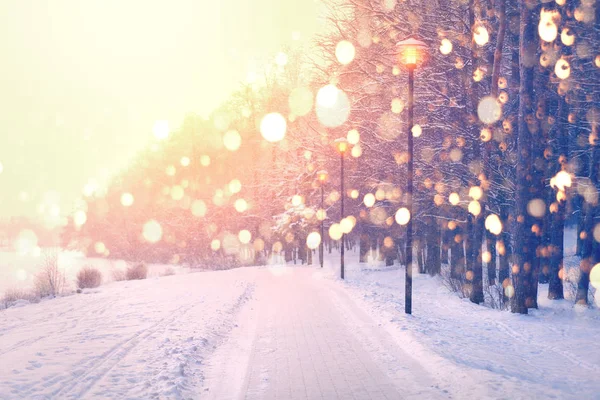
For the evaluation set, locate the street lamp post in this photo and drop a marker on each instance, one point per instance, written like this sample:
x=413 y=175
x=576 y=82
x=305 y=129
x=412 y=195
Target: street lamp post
x=411 y=53
x=342 y=147
x=322 y=177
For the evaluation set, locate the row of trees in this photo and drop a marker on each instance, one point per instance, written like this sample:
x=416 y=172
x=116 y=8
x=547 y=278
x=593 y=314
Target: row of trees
x=506 y=151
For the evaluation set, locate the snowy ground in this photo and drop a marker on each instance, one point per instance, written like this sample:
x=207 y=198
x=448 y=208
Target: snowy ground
x=293 y=332
x=17 y=271
x=137 y=339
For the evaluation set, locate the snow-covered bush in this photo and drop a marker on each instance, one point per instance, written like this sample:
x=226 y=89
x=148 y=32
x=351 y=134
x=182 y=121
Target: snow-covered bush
x=50 y=280
x=453 y=284
x=138 y=271
x=494 y=296
x=11 y=296
x=89 y=277
x=119 y=275
x=168 y=272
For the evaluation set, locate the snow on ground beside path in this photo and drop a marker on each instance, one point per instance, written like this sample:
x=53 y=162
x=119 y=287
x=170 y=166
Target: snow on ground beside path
x=201 y=334
x=136 y=339
x=550 y=353
x=17 y=271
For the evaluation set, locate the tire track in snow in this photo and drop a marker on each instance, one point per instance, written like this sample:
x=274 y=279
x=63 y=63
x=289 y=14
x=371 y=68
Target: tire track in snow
x=96 y=369
x=62 y=329
x=569 y=356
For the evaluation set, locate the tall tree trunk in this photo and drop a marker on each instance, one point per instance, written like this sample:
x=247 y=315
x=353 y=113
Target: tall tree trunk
x=557 y=218
x=457 y=254
x=524 y=244
x=364 y=245
x=475 y=225
x=433 y=264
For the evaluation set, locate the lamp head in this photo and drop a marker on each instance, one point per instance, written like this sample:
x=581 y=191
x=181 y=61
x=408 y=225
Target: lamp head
x=411 y=52
x=342 y=145
x=322 y=176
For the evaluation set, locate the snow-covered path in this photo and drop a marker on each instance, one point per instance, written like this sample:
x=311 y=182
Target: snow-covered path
x=139 y=339
x=292 y=332
x=302 y=337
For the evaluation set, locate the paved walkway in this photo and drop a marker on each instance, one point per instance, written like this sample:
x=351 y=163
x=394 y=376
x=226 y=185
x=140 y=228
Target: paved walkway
x=302 y=337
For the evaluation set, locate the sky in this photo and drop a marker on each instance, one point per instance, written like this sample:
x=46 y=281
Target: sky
x=82 y=82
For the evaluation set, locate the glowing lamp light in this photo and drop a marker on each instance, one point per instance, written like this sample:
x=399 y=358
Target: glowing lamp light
x=341 y=145
x=411 y=52
x=322 y=176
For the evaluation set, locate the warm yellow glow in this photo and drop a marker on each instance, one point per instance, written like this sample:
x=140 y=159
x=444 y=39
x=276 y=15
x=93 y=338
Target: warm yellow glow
x=185 y=161
x=235 y=186
x=356 y=151
x=547 y=28
x=595 y=276
x=454 y=198
x=198 y=208
x=177 y=193
x=241 y=205
x=410 y=56
x=402 y=216
x=104 y=88
x=493 y=224
x=259 y=245
x=489 y=110
x=345 y=52
x=273 y=127
x=446 y=47
x=346 y=225
x=353 y=136
x=313 y=240
x=99 y=247
x=333 y=106
x=335 y=231
x=152 y=231
x=322 y=176
x=232 y=140
x=205 y=160
x=475 y=192
x=567 y=37
x=416 y=130
x=297 y=200
x=369 y=200
x=561 y=181
x=79 y=218
x=481 y=35
x=485 y=135
x=126 y=199
x=474 y=207
x=562 y=69
x=215 y=244
x=397 y=106
x=321 y=214
x=354 y=194
x=327 y=96
x=161 y=129
x=342 y=146
x=244 y=236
